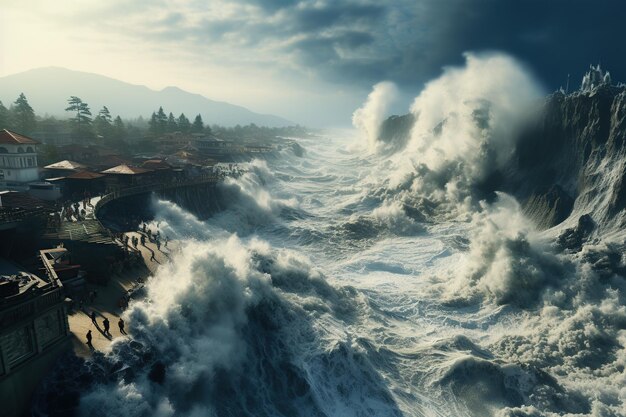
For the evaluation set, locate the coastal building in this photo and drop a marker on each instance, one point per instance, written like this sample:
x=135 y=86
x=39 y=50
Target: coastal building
x=18 y=166
x=64 y=168
x=18 y=161
x=34 y=330
x=212 y=144
x=126 y=175
x=173 y=141
x=156 y=165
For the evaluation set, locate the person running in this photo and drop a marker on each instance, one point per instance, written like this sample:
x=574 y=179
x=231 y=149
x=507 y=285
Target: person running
x=89 y=338
x=121 y=326
x=166 y=240
x=93 y=317
x=105 y=324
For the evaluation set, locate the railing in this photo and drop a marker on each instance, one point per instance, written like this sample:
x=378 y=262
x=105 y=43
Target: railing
x=9 y=215
x=152 y=187
x=50 y=272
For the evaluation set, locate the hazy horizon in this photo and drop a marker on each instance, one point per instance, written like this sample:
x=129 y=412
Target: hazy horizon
x=312 y=62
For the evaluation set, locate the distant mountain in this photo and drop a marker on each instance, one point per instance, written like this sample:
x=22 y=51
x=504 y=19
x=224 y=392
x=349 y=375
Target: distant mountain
x=48 y=89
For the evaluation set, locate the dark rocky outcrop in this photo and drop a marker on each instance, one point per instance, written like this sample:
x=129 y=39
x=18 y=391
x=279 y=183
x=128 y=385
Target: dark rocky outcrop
x=572 y=151
x=573 y=238
x=396 y=130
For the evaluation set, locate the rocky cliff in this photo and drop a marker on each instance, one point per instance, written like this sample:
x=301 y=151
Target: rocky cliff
x=569 y=159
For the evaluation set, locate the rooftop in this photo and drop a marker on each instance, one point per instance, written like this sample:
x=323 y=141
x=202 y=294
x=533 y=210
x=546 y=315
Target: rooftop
x=156 y=164
x=66 y=165
x=15 y=280
x=11 y=138
x=125 y=170
x=16 y=199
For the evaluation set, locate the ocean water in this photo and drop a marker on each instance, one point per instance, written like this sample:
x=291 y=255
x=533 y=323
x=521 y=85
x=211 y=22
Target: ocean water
x=351 y=281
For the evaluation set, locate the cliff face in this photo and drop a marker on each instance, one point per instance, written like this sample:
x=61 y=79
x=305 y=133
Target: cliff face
x=569 y=160
x=576 y=146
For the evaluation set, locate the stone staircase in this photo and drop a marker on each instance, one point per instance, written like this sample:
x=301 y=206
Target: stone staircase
x=88 y=230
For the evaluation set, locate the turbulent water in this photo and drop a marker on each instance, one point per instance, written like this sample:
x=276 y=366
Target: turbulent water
x=378 y=278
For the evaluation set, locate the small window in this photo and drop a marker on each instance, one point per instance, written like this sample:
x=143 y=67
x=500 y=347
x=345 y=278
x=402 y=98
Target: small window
x=3 y=150
x=1 y=174
x=20 y=150
x=30 y=150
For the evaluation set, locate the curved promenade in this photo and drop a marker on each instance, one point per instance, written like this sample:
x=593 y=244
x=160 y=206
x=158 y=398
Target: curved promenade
x=152 y=187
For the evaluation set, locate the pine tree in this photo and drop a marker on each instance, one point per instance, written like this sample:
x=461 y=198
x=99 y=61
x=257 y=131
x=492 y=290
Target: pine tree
x=153 y=125
x=172 y=124
x=82 y=121
x=198 y=125
x=5 y=117
x=102 y=123
x=183 y=123
x=22 y=115
x=161 y=121
x=119 y=130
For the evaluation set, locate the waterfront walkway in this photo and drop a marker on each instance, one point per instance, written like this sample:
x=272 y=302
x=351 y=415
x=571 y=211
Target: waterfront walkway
x=89 y=229
x=158 y=187
x=107 y=301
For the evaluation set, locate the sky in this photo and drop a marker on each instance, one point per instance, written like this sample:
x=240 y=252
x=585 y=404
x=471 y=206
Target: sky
x=311 y=61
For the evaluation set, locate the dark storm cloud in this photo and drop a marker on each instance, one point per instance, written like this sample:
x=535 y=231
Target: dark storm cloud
x=361 y=42
x=410 y=41
x=554 y=37
x=333 y=15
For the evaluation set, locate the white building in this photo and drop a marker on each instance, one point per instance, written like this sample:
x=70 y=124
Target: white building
x=18 y=161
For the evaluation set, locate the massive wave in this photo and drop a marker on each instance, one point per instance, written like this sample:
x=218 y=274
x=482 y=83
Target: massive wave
x=465 y=259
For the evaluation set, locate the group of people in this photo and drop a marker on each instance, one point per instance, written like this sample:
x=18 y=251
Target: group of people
x=155 y=237
x=128 y=241
x=106 y=327
x=70 y=210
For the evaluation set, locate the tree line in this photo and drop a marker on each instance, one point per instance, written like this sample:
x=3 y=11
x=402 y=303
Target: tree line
x=20 y=117
x=83 y=125
x=160 y=124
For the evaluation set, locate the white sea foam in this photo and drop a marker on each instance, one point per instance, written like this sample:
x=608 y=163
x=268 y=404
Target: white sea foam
x=472 y=314
x=368 y=118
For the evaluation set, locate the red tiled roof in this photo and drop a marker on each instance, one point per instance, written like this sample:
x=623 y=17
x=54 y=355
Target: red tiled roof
x=156 y=164
x=11 y=138
x=125 y=170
